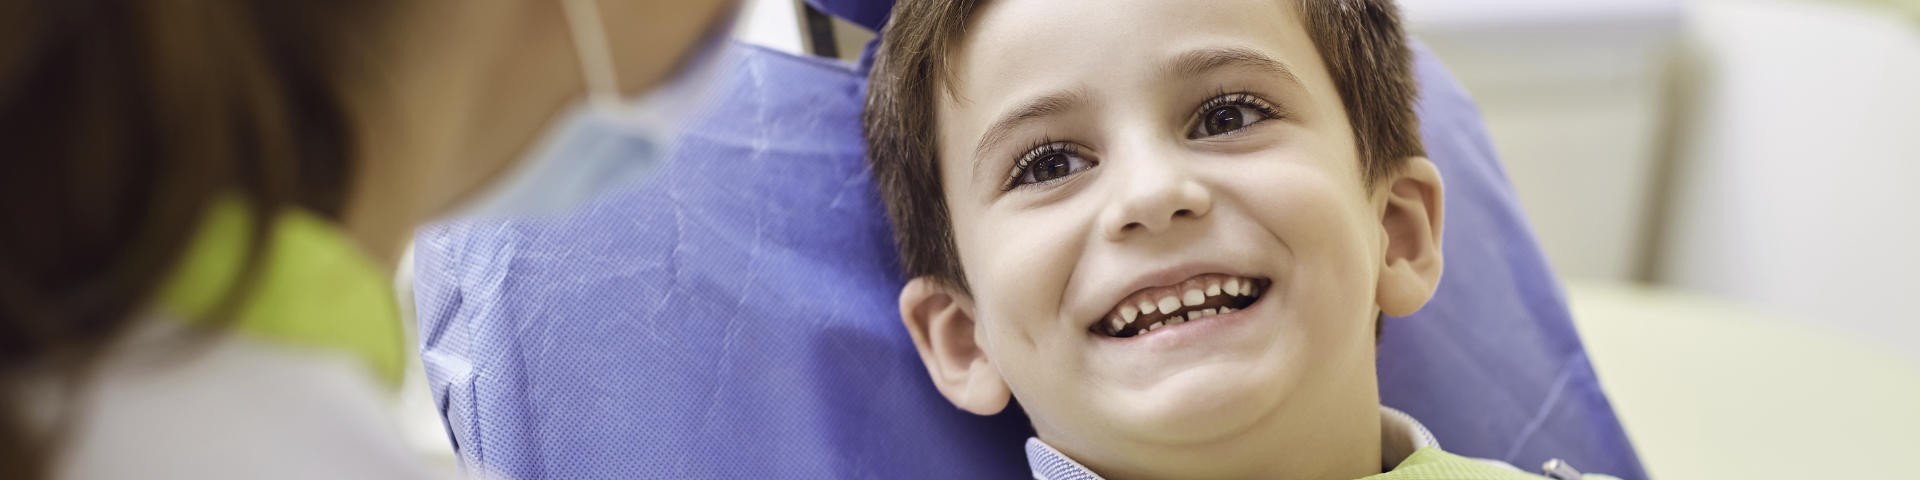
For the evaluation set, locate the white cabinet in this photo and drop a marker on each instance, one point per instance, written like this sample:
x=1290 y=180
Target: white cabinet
x=1572 y=94
x=1795 y=182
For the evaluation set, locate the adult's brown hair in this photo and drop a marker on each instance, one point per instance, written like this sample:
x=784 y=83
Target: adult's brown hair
x=1361 y=42
x=122 y=121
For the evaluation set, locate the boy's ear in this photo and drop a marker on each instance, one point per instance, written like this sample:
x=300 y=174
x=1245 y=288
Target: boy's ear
x=1410 y=217
x=940 y=319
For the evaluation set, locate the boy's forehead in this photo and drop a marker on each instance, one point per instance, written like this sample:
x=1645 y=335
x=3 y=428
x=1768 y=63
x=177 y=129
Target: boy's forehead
x=1029 y=42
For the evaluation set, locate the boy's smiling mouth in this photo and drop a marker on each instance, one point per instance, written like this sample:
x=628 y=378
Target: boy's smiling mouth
x=1153 y=308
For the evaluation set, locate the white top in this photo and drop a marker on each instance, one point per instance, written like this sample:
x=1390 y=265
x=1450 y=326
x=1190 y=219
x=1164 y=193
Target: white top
x=232 y=406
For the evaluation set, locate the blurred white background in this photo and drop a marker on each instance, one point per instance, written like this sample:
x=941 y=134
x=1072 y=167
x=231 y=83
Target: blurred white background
x=1724 y=186
x=1752 y=150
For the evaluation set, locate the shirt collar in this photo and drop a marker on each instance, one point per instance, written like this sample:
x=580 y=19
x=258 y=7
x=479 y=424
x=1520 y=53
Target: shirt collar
x=1400 y=436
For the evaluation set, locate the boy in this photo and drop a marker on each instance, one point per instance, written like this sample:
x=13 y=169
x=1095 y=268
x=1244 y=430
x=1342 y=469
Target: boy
x=1169 y=228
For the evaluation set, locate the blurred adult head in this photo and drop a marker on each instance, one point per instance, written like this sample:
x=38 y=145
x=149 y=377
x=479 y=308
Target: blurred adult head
x=124 y=120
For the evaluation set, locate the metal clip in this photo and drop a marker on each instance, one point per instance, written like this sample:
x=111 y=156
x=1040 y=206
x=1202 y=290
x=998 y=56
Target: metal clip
x=1558 y=469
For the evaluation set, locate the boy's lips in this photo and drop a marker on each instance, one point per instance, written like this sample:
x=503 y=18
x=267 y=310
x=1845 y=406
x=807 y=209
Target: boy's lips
x=1151 y=308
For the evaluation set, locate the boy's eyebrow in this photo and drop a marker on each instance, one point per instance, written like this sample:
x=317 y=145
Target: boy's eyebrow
x=1039 y=107
x=1197 y=62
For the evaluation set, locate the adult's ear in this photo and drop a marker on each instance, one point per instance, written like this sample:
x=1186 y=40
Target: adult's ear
x=1410 y=218
x=940 y=320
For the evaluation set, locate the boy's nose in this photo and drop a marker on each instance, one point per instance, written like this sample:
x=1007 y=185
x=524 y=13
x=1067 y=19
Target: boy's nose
x=1158 y=193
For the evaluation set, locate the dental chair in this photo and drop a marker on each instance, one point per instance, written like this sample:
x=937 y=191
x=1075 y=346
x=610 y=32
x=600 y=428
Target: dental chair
x=735 y=315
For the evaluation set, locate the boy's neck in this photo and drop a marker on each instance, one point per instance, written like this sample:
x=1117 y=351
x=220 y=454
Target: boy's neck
x=1340 y=440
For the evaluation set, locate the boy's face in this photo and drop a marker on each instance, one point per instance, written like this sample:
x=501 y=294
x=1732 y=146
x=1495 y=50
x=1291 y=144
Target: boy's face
x=1167 y=146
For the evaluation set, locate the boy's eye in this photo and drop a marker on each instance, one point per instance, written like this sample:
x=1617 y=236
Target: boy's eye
x=1229 y=113
x=1047 y=163
x=1225 y=119
x=1050 y=167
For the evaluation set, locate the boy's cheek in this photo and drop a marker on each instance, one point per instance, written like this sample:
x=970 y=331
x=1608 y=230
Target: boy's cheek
x=1041 y=377
x=1021 y=261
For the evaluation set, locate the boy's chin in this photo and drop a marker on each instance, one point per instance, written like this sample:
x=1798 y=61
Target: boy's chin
x=1201 y=404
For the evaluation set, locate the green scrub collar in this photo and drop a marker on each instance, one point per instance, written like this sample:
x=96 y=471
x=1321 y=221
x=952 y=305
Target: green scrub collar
x=315 y=287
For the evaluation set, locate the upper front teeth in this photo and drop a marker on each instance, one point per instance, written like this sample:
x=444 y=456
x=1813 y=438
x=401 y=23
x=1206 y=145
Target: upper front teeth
x=1168 y=304
x=1196 y=298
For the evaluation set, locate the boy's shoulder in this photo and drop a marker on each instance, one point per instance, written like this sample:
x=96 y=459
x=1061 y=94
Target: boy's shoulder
x=1431 y=463
x=1405 y=444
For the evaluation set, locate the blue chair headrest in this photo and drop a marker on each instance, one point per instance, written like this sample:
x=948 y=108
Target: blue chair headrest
x=735 y=316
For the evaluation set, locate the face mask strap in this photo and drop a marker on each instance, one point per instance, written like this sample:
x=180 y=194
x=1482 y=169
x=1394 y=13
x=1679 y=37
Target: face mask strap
x=596 y=58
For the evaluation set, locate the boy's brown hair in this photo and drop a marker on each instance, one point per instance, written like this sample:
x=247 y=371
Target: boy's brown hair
x=1360 y=40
